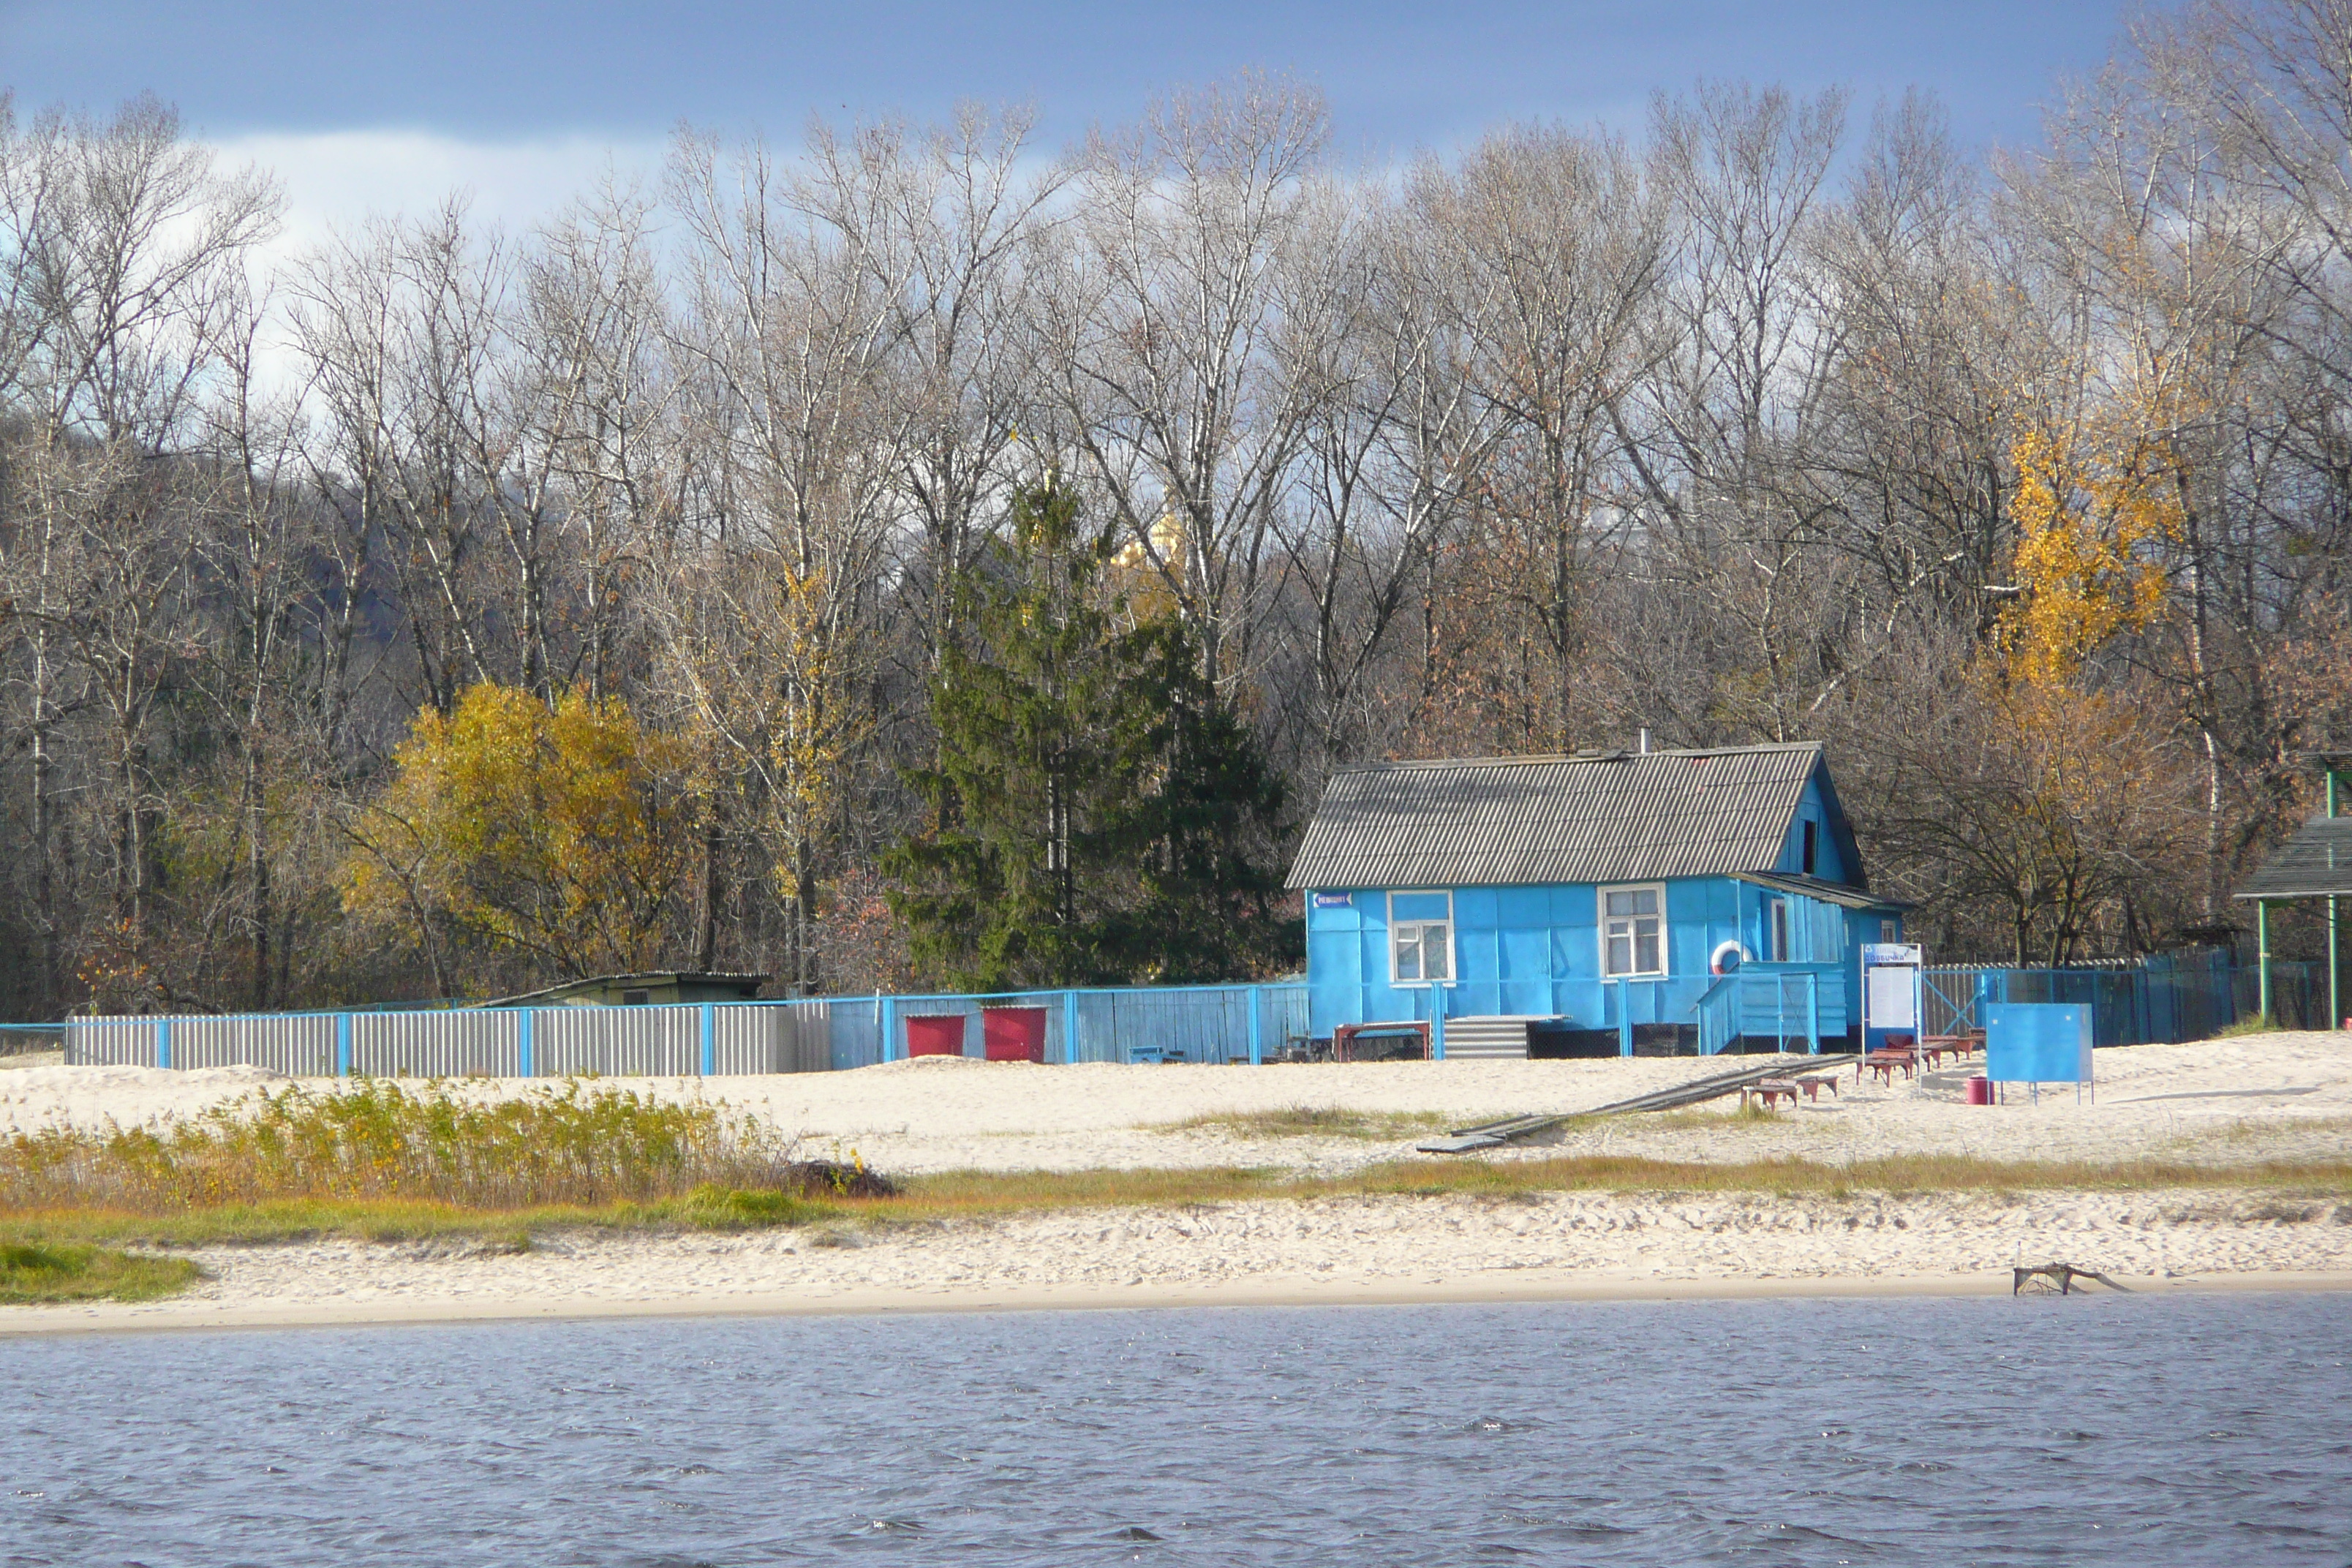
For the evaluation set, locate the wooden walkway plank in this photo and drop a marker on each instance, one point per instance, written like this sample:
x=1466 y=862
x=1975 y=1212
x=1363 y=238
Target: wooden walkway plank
x=1495 y=1134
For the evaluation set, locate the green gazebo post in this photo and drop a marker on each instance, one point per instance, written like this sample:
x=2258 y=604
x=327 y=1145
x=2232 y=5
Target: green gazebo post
x=2263 y=956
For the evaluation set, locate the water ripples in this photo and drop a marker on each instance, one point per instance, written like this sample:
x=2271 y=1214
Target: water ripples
x=2181 y=1430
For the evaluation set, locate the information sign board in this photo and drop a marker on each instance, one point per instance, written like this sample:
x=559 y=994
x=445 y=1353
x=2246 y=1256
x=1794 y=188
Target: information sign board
x=1890 y=990
x=2038 y=1042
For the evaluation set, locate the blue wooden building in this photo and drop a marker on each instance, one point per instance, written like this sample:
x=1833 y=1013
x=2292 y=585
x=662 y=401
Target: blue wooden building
x=1599 y=903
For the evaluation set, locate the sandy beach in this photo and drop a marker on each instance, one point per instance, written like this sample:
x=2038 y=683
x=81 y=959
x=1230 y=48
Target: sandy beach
x=1338 y=1251
x=2284 y=1096
x=2263 y=1098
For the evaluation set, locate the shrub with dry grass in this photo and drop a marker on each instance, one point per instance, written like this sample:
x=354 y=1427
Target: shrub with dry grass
x=569 y=1144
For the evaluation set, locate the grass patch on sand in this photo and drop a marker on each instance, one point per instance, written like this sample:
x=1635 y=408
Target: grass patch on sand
x=994 y=1195
x=2248 y=1133
x=1774 y=1124
x=1714 y=1116
x=708 y=1208
x=382 y=1162
x=1314 y=1122
x=982 y=1194
x=33 y=1272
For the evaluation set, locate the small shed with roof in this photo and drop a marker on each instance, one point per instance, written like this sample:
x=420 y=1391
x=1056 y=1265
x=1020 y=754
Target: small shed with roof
x=1599 y=904
x=666 y=989
x=2315 y=864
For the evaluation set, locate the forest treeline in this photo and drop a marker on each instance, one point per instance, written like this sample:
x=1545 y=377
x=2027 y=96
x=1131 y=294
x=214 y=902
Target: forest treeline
x=447 y=611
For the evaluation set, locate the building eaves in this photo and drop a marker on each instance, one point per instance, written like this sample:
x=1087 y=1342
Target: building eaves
x=1827 y=891
x=2315 y=862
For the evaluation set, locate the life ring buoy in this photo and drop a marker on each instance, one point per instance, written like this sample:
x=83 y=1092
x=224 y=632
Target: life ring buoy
x=1727 y=956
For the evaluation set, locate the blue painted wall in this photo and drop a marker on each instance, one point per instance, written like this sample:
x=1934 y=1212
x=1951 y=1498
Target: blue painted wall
x=1829 y=860
x=1536 y=950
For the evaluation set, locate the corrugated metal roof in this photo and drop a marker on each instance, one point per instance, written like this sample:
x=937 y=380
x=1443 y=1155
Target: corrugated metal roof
x=1512 y=821
x=2316 y=861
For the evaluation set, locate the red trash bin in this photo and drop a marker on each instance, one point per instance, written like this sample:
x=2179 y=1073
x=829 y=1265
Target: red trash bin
x=1980 y=1091
x=935 y=1034
x=1013 y=1033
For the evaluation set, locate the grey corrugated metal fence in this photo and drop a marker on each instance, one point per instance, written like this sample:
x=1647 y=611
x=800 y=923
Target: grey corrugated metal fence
x=490 y=1041
x=1200 y=1023
x=295 y=1043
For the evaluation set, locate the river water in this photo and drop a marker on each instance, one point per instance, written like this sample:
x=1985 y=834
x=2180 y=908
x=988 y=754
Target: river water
x=2184 y=1429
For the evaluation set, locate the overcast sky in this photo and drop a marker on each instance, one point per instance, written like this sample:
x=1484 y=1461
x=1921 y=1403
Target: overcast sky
x=385 y=106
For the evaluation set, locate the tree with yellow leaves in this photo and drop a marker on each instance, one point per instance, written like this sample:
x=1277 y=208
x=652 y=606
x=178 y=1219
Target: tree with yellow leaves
x=2094 y=505
x=2050 y=798
x=558 y=832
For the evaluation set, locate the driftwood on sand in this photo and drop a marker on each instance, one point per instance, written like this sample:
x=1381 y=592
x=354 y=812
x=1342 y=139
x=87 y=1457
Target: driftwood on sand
x=2062 y=1274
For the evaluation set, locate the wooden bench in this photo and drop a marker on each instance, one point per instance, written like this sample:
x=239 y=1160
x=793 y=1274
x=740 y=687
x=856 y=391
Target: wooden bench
x=1962 y=1044
x=1885 y=1060
x=1769 y=1089
x=1344 y=1037
x=1814 y=1083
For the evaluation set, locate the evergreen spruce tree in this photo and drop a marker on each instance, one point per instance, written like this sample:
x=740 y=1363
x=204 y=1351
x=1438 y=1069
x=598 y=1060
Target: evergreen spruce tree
x=1207 y=826
x=1101 y=816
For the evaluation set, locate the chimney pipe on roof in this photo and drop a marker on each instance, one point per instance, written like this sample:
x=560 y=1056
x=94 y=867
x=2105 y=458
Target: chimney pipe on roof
x=1645 y=741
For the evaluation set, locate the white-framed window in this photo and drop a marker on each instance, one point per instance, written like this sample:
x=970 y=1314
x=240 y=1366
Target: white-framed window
x=1778 y=944
x=1420 y=938
x=1634 y=932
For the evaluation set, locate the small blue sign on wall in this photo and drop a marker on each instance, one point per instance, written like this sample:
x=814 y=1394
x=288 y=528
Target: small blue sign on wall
x=1334 y=900
x=2038 y=1042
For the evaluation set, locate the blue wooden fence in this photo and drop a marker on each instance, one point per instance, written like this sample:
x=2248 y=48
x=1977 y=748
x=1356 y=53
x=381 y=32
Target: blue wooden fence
x=1220 y=1023
x=2166 y=999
